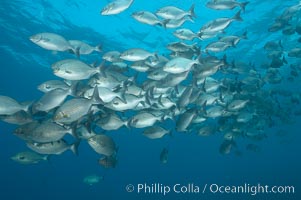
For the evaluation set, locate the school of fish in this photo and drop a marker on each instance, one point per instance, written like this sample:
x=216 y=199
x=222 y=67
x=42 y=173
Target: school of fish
x=195 y=87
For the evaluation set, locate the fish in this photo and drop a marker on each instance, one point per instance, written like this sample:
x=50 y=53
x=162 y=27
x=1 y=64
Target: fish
x=52 y=85
x=29 y=157
x=226 y=4
x=182 y=47
x=111 y=121
x=237 y=104
x=185 y=34
x=233 y=39
x=46 y=131
x=144 y=119
x=171 y=80
x=219 y=25
x=295 y=52
x=164 y=156
x=157 y=74
x=106 y=95
x=19 y=118
x=272 y=45
x=176 y=23
x=51 y=100
x=51 y=41
x=147 y=17
x=116 y=7
x=9 y=106
x=72 y=69
x=54 y=147
x=217 y=46
x=206 y=130
x=102 y=144
x=226 y=146
x=82 y=132
x=92 y=179
x=179 y=65
x=82 y=48
x=172 y=12
x=185 y=120
x=136 y=54
x=131 y=102
x=112 y=56
x=156 y=132
x=76 y=108
x=108 y=161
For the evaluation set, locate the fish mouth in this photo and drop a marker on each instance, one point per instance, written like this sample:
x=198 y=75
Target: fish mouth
x=56 y=70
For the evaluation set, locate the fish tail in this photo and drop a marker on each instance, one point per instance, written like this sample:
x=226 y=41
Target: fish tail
x=243 y=5
x=74 y=147
x=191 y=11
x=26 y=105
x=96 y=98
x=47 y=158
x=101 y=69
x=98 y=48
x=245 y=35
x=237 y=16
x=73 y=130
x=165 y=22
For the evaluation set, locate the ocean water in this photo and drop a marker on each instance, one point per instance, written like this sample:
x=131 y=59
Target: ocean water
x=192 y=159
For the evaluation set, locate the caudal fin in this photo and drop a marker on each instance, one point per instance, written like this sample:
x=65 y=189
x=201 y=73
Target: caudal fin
x=191 y=11
x=98 y=48
x=237 y=16
x=243 y=5
x=74 y=147
x=26 y=105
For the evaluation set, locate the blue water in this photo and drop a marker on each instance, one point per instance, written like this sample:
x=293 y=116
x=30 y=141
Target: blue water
x=192 y=159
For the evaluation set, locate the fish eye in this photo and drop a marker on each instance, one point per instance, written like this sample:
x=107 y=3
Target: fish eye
x=116 y=103
x=21 y=157
x=47 y=86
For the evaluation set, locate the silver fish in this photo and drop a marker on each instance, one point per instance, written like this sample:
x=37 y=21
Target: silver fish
x=226 y=4
x=51 y=41
x=29 y=157
x=9 y=106
x=185 y=120
x=82 y=48
x=76 y=108
x=136 y=54
x=155 y=132
x=171 y=12
x=111 y=122
x=116 y=7
x=147 y=18
x=92 y=179
x=179 y=65
x=144 y=119
x=55 y=147
x=49 y=131
x=219 y=24
x=52 y=85
x=185 y=34
x=72 y=69
x=19 y=118
x=112 y=56
x=176 y=23
x=51 y=100
x=102 y=144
